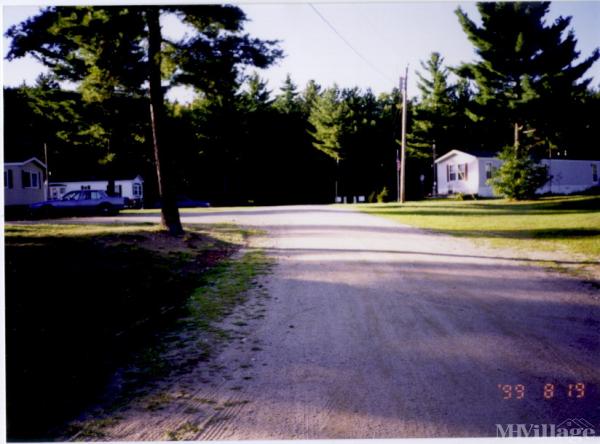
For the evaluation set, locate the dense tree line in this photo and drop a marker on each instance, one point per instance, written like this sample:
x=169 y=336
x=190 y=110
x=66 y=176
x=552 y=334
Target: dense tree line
x=239 y=143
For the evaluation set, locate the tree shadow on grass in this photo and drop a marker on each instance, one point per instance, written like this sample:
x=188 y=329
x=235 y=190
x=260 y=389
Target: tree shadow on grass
x=584 y=205
x=546 y=233
x=78 y=307
x=451 y=212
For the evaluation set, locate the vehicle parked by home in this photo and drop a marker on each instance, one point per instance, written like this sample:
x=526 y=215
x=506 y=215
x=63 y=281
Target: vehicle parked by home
x=186 y=202
x=79 y=202
x=131 y=189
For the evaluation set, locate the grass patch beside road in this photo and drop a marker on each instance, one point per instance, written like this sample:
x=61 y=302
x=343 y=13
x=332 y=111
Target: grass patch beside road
x=225 y=287
x=83 y=300
x=564 y=224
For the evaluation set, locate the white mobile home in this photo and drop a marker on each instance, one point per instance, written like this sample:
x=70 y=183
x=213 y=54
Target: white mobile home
x=133 y=189
x=24 y=182
x=461 y=172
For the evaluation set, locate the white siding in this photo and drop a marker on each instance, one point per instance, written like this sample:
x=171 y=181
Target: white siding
x=18 y=194
x=485 y=189
x=568 y=176
x=56 y=189
x=449 y=185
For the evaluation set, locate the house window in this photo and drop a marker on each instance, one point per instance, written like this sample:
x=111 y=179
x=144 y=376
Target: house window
x=86 y=187
x=450 y=173
x=118 y=190
x=594 y=172
x=8 y=179
x=489 y=170
x=30 y=180
x=137 y=189
x=463 y=171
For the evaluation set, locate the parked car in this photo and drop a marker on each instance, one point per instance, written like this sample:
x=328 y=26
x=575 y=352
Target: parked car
x=79 y=202
x=186 y=202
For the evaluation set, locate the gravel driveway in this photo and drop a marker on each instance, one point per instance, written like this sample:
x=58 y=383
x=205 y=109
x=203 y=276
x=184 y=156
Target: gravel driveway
x=379 y=330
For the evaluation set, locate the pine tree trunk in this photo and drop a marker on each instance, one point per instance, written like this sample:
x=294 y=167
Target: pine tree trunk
x=169 y=211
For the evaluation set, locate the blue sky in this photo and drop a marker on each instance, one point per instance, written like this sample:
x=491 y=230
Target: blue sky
x=389 y=35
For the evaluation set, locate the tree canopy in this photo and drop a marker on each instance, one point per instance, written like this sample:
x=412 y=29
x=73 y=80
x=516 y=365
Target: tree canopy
x=121 y=50
x=243 y=141
x=527 y=72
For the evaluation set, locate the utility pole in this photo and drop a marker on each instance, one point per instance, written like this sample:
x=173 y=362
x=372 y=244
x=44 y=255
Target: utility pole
x=517 y=129
x=337 y=172
x=47 y=181
x=398 y=166
x=434 y=185
x=403 y=87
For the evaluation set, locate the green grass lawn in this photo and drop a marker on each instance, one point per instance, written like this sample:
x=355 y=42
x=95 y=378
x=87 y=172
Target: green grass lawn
x=566 y=224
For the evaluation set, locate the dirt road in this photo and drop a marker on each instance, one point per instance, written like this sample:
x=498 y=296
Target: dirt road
x=377 y=330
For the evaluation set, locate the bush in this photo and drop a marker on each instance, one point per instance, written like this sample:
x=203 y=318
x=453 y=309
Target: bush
x=382 y=195
x=519 y=176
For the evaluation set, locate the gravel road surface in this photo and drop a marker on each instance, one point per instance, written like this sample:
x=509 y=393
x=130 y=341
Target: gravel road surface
x=379 y=330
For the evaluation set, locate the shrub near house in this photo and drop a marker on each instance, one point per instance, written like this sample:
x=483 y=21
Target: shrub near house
x=470 y=173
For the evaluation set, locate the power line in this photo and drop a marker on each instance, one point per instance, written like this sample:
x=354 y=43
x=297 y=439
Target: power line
x=381 y=73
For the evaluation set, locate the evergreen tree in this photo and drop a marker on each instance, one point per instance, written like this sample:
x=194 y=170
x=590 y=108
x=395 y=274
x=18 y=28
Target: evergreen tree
x=112 y=50
x=328 y=118
x=435 y=114
x=519 y=176
x=257 y=97
x=309 y=96
x=527 y=70
x=287 y=101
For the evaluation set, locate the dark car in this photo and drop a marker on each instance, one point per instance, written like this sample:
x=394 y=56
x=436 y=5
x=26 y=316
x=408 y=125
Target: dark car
x=79 y=202
x=186 y=202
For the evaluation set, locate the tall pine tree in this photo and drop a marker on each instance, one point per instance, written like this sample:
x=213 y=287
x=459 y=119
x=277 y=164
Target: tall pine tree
x=434 y=114
x=121 y=50
x=527 y=70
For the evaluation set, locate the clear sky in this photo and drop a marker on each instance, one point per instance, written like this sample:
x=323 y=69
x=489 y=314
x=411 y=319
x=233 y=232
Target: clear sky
x=389 y=35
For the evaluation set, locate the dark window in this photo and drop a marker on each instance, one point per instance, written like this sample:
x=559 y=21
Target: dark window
x=8 y=179
x=462 y=171
x=488 y=170
x=31 y=180
x=594 y=172
x=25 y=179
x=71 y=195
x=451 y=173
